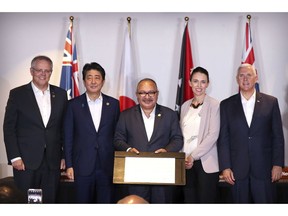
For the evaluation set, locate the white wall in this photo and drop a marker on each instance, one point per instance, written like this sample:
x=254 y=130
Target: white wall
x=216 y=40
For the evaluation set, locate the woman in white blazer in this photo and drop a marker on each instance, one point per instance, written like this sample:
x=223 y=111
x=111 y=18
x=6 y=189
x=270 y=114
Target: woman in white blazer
x=200 y=124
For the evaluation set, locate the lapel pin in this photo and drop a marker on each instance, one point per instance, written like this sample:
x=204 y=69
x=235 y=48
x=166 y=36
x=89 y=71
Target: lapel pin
x=258 y=101
x=159 y=115
x=107 y=103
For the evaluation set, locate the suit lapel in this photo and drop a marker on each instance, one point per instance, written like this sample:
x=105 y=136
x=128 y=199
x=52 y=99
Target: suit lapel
x=53 y=104
x=140 y=122
x=257 y=109
x=105 y=111
x=158 y=118
x=86 y=112
x=31 y=99
x=239 y=111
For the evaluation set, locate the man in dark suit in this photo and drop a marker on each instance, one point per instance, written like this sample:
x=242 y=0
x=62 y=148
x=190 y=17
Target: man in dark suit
x=90 y=124
x=149 y=127
x=251 y=141
x=33 y=131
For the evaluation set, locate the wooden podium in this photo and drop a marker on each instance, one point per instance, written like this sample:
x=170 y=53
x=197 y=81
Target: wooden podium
x=149 y=168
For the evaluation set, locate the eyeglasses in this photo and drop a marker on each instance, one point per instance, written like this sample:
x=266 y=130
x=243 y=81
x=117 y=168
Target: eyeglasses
x=150 y=93
x=41 y=71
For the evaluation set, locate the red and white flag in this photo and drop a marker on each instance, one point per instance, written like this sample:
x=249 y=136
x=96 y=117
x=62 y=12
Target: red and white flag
x=70 y=74
x=126 y=89
x=248 y=50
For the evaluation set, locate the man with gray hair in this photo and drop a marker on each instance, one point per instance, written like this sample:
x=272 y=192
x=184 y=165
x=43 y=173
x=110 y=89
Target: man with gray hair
x=251 y=141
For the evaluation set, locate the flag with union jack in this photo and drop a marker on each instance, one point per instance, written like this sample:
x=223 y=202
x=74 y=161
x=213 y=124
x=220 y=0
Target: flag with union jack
x=184 y=91
x=248 y=51
x=70 y=74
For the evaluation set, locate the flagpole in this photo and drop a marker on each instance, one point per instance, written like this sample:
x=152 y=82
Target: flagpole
x=129 y=25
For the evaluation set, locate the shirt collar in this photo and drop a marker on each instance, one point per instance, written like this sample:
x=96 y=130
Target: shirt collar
x=252 y=98
x=100 y=98
x=152 y=114
x=37 y=90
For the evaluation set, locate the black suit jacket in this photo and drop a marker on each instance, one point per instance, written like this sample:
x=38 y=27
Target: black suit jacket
x=26 y=136
x=83 y=144
x=130 y=131
x=251 y=150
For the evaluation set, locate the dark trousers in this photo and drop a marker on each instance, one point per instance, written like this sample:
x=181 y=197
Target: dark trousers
x=201 y=187
x=95 y=188
x=42 y=178
x=252 y=190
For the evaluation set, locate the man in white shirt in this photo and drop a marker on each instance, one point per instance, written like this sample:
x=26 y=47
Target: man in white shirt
x=33 y=126
x=149 y=127
x=251 y=141
x=89 y=127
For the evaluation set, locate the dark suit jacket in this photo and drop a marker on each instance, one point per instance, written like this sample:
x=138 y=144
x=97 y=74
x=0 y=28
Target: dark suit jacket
x=251 y=150
x=82 y=141
x=130 y=131
x=25 y=135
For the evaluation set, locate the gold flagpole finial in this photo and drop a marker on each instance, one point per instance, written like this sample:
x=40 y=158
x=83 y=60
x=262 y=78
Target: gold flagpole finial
x=249 y=18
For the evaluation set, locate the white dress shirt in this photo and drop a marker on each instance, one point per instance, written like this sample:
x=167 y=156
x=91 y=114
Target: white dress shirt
x=248 y=107
x=149 y=123
x=95 y=108
x=44 y=102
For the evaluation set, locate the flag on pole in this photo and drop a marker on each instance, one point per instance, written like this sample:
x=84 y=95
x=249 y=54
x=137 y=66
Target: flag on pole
x=127 y=73
x=184 y=91
x=248 y=51
x=70 y=74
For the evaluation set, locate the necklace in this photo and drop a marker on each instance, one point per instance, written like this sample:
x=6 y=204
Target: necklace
x=196 y=106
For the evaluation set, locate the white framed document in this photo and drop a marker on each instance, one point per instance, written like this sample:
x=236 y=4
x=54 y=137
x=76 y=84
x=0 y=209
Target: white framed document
x=149 y=168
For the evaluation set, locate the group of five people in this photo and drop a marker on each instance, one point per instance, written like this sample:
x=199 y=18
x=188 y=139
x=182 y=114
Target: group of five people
x=242 y=137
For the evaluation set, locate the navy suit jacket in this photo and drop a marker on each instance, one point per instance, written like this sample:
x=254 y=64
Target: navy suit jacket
x=83 y=144
x=26 y=136
x=130 y=131
x=251 y=151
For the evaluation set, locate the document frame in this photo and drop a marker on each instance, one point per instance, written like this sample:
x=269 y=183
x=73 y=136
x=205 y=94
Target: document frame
x=175 y=159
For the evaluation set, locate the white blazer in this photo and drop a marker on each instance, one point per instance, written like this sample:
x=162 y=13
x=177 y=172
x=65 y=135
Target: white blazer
x=206 y=149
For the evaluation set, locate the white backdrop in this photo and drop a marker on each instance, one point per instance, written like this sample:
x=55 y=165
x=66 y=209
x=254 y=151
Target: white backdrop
x=216 y=39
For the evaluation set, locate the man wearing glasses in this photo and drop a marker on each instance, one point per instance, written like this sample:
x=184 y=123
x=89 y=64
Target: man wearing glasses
x=149 y=127
x=33 y=126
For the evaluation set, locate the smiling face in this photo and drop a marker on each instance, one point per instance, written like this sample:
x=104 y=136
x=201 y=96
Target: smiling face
x=41 y=71
x=147 y=94
x=246 y=79
x=199 y=83
x=93 y=82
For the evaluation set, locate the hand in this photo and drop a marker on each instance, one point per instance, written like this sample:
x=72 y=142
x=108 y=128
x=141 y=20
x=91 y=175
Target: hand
x=276 y=173
x=18 y=164
x=70 y=173
x=189 y=162
x=228 y=176
x=160 y=150
x=62 y=164
x=134 y=150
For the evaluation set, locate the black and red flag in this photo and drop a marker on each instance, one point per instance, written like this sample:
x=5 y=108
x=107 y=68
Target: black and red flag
x=184 y=91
